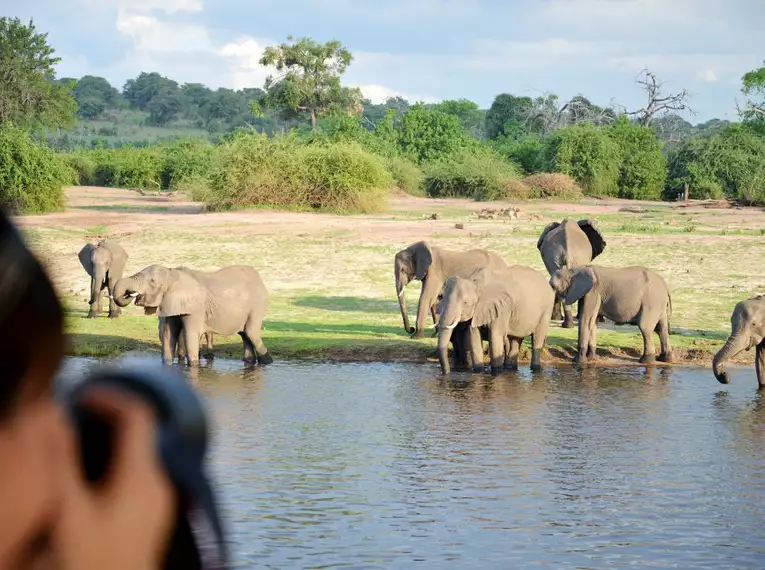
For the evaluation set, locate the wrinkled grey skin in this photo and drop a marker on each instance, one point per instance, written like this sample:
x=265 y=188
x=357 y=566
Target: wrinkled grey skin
x=433 y=266
x=179 y=349
x=462 y=355
x=231 y=300
x=511 y=303
x=747 y=330
x=625 y=295
x=105 y=263
x=569 y=244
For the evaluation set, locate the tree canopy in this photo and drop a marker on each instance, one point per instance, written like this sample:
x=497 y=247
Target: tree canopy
x=29 y=94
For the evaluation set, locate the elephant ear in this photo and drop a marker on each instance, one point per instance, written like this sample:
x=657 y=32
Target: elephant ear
x=117 y=266
x=581 y=284
x=548 y=228
x=495 y=301
x=85 y=260
x=422 y=259
x=184 y=295
x=598 y=242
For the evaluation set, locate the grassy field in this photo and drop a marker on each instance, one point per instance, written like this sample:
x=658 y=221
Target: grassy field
x=331 y=277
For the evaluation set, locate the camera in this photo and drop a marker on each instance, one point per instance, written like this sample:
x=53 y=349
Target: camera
x=197 y=540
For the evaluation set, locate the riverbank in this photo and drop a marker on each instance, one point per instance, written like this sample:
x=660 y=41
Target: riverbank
x=330 y=277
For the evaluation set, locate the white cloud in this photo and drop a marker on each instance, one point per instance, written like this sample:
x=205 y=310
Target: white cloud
x=242 y=58
x=708 y=76
x=154 y=36
x=380 y=93
x=145 y=6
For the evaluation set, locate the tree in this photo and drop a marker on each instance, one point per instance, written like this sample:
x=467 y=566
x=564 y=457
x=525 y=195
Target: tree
x=507 y=116
x=659 y=104
x=29 y=94
x=309 y=80
x=753 y=85
x=468 y=112
x=157 y=95
x=426 y=134
x=94 y=95
x=643 y=169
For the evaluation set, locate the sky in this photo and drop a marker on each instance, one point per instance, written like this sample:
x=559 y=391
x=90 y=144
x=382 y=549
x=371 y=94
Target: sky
x=425 y=50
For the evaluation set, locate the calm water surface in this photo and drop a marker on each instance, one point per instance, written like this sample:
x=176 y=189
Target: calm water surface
x=391 y=466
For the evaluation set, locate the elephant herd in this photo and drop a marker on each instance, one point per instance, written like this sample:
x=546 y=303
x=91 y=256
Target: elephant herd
x=472 y=296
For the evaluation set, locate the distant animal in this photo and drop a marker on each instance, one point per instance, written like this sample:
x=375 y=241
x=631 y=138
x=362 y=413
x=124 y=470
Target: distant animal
x=511 y=304
x=227 y=301
x=626 y=295
x=747 y=323
x=433 y=266
x=569 y=244
x=105 y=263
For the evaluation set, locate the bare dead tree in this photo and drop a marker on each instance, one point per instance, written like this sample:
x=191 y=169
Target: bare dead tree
x=659 y=104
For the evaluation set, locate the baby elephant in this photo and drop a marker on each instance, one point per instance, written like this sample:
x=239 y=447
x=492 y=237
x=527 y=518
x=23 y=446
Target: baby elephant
x=747 y=325
x=625 y=295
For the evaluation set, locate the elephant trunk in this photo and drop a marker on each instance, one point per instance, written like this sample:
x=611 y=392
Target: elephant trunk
x=400 y=291
x=124 y=291
x=732 y=347
x=97 y=282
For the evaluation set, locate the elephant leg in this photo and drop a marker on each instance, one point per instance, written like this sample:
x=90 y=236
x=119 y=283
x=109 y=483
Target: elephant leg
x=476 y=349
x=760 y=365
x=252 y=334
x=209 y=354
x=496 y=349
x=538 y=339
x=588 y=312
x=434 y=315
x=663 y=330
x=557 y=313
x=511 y=355
x=427 y=300
x=114 y=309
x=592 y=344
x=169 y=334
x=180 y=347
x=568 y=318
x=95 y=306
x=649 y=348
x=193 y=325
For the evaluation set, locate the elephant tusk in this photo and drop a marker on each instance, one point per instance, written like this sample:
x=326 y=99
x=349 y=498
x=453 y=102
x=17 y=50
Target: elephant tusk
x=454 y=324
x=132 y=294
x=401 y=293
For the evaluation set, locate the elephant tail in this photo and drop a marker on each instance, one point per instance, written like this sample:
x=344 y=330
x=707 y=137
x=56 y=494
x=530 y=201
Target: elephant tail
x=669 y=313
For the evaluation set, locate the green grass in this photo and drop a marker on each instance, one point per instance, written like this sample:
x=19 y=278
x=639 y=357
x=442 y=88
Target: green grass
x=331 y=277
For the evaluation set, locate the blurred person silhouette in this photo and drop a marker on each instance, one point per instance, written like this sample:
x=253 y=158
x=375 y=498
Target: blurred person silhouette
x=50 y=517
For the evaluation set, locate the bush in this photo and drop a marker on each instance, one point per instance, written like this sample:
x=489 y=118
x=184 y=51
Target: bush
x=127 y=167
x=553 y=185
x=32 y=175
x=425 y=134
x=478 y=173
x=406 y=175
x=643 y=169
x=254 y=170
x=83 y=166
x=588 y=155
x=528 y=152
x=186 y=161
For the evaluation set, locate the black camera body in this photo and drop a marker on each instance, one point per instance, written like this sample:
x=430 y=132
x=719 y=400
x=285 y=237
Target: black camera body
x=182 y=434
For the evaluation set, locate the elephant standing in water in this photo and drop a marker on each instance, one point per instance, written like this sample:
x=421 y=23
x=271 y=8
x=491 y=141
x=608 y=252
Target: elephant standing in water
x=626 y=295
x=231 y=300
x=105 y=263
x=433 y=266
x=510 y=303
x=569 y=244
x=747 y=331
x=179 y=349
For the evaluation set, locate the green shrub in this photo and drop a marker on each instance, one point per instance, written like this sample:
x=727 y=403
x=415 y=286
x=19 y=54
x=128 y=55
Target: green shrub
x=553 y=185
x=128 y=167
x=425 y=134
x=83 y=165
x=528 y=152
x=252 y=169
x=186 y=161
x=643 y=169
x=588 y=155
x=478 y=173
x=32 y=175
x=406 y=175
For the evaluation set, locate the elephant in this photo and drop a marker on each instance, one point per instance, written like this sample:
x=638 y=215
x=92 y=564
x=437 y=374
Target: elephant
x=433 y=266
x=569 y=244
x=747 y=330
x=180 y=349
x=230 y=300
x=105 y=263
x=460 y=339
x=510 y=303
x=626 y=295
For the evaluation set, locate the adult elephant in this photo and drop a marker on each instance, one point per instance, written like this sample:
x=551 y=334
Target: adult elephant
x=231 y=300
x=105 y=263
x=626 y=295
x=511 y=304
x=433 y=266
x=569 y=244
x=747 y=330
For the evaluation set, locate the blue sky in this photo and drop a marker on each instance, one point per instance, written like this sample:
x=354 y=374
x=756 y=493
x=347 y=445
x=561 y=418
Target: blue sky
x=425 y=49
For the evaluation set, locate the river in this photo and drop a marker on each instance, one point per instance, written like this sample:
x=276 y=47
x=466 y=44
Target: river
x=392 y=466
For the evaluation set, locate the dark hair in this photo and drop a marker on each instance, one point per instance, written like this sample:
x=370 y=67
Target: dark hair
x=31 y=318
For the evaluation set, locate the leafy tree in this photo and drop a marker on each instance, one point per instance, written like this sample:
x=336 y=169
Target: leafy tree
x=373 y=114
x=588 y=155
x=164 y=106
x=94 y=95
x=310 y=79
x=141 y=90
x=425 y=134
x=468 y=112
x=29 y=94
x=753 y=86
x=643 y=169
x=508 y=116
